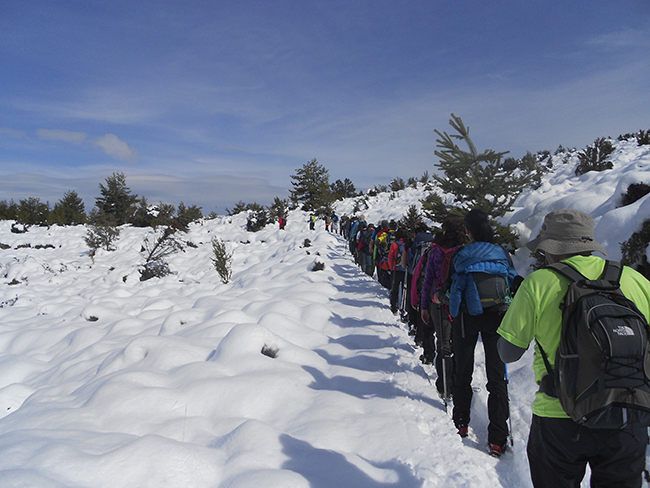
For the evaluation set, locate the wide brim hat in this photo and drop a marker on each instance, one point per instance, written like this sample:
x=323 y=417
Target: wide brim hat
x=566 y=232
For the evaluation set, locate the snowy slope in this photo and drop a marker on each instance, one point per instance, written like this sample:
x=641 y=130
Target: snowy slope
x=106 y=381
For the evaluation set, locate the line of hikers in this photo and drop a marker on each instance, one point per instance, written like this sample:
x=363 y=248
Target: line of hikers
x=417 y=268
x=331 y=222
x=587 y=316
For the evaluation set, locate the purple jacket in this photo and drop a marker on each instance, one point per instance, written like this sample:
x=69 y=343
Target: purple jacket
x=432 y=274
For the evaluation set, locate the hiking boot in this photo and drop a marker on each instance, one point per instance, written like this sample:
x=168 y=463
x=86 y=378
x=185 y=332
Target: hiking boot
x=445 y=398
x=463 y=431
x=497 y=450
x=426 y=359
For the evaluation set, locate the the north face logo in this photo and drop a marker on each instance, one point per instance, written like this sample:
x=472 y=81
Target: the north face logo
x=623 y=330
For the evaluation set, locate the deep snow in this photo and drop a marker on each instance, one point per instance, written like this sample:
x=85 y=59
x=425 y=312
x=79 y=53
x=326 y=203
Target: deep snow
x=106 y=381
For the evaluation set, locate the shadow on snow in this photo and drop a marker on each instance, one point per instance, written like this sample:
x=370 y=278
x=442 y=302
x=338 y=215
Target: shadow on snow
x=363 y=389
x=324 y=468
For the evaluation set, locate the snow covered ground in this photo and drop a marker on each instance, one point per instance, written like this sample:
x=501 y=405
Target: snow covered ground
x=284 y=377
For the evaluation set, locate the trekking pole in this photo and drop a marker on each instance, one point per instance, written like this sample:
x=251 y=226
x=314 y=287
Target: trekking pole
x=404 y=302
x=512 y=442
x=441 y=352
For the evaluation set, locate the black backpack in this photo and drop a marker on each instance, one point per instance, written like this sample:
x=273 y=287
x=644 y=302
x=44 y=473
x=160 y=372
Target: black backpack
x=603 y=360
x=417 y=251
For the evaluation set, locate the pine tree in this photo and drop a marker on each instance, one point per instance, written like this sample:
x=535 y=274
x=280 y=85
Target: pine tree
x=32 y=211
x=8 y=210
x=143 y=216
x=474 y=180
x=116 y=199
x=70 y=210
x=411 y=220
x=187 y=215
x=311 y=187
x=239 y=207
x=343 y=189
x=279 y=208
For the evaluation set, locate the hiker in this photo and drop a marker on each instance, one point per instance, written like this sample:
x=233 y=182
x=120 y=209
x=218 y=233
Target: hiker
x=421 y=242
x=312 y=221
x=365 y=256
x=397 y=264
x=381 y=245
x=559 y=448
x=282 y=222
x=344 y=228
x=335 y=223
x=436 y=320
x=480 y=260
x=328 y=220
x=357 y=223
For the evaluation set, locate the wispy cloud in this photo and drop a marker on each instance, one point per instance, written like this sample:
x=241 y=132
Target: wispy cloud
x=621 y=39
x=211 y=193
x=61 y=135
x=110 y=144
x=17 y=134
x=116 y=148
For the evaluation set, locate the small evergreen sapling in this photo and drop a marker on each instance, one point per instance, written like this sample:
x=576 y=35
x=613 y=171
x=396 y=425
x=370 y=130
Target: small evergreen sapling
x=594 y=158
x=634 y=250
x=397 y=184
x=222 y=260
x=102 y=232
x=635 y=192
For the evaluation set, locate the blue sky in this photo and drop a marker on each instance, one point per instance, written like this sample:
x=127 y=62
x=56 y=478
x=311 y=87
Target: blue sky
x=212 y=102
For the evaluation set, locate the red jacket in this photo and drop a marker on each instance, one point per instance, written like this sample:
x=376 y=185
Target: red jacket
x=392 y=256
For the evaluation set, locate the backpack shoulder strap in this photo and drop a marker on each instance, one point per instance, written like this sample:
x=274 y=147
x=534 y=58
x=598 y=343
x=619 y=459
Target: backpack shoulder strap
x=567 y=271
x=612 y=272
x=609 y=279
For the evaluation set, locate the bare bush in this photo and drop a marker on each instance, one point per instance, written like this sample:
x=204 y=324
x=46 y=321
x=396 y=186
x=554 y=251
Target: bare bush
x=157 y=247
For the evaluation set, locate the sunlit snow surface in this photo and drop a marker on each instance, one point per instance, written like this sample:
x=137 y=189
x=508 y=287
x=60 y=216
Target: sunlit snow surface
x=107 y=381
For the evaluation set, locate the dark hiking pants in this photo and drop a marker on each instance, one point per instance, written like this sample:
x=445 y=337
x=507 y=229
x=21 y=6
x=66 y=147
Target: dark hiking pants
x=559 y=450
x=440 y=322
x=397 y=282
x=383 y=276
x=466 y=329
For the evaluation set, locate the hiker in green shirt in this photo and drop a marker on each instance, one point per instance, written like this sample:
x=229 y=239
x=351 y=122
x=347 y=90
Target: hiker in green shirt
x=558 y=448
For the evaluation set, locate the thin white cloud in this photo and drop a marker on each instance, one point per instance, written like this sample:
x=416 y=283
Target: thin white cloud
x=116 y=148
x=6 y=132
x=61 y=135
x=621 y=39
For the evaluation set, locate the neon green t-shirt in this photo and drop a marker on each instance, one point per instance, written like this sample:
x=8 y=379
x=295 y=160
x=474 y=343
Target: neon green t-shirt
x=535 y=315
